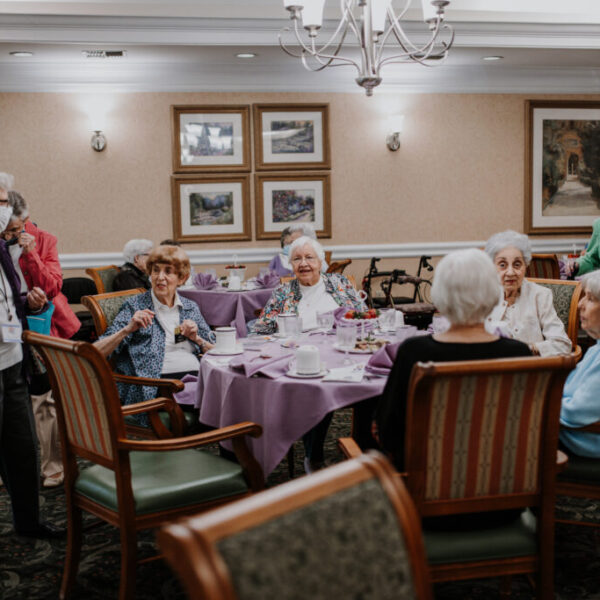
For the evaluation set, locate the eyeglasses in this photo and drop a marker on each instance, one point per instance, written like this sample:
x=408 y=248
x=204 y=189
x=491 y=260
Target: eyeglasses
x=309 y=259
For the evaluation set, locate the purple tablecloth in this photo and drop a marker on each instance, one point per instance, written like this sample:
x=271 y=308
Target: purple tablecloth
x=285 y=407
x=221 y=308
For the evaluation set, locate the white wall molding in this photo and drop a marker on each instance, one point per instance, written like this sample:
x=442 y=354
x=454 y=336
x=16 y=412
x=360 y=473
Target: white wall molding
x=355 y=252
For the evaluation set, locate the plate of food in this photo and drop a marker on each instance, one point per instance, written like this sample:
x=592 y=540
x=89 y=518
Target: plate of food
x=367 y=346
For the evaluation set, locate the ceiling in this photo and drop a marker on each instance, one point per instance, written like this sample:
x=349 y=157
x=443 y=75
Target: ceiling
x=191 y=45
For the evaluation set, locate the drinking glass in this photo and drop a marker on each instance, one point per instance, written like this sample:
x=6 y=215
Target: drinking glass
x=345 y=336
x=325 y=320
x=293 y=326
x=387 y=319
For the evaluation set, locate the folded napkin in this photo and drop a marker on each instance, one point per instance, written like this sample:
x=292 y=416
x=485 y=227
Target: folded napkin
x=188 y=394
x=382 y=361
x=205 y=281
x=273 y=362
x=349 y=374
x=267 y=280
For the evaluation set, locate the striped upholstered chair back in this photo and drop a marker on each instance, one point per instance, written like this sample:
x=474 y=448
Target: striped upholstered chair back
x=88 y=405
x=105 y=307
x=483 y=434
x=544 y=266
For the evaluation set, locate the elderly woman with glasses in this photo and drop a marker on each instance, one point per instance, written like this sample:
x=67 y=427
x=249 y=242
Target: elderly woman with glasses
x=133 y=272
x=580 y=406
x=525 y=309
x=280 y=263
x=311 y=292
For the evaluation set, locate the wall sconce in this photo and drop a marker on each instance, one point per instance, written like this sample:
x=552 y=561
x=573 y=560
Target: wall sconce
x=395 y=123
x=98 y=141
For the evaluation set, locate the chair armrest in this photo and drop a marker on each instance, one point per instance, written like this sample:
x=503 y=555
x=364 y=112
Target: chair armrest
x=172 y=385
x=152 y=407
x=349 y=448
x=562 y=460
x=252 y=470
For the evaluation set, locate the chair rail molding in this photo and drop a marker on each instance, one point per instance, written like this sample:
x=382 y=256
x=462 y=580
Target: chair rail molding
x=260 y=254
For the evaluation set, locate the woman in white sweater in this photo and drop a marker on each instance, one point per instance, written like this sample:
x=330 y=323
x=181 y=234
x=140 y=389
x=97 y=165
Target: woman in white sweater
x=525 y=307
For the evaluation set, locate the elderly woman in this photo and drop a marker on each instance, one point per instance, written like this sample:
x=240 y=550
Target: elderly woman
x=525 y=307
x=157 y=333
x=133 y=272
x=280 y=263
x=311 y=292
x=589 y=260
x=580 y=406
x=465 y=290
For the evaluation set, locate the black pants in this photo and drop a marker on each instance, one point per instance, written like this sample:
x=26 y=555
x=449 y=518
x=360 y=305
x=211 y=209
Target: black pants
x=19 y=459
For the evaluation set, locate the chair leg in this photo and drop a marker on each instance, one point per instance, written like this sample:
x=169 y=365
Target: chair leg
x=74 y=534
x=128 y=562
x=290 y=460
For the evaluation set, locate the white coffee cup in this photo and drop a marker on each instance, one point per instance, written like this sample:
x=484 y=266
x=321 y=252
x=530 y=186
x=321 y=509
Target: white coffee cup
x=226 y=339
x=235 y=283
x=308 y=360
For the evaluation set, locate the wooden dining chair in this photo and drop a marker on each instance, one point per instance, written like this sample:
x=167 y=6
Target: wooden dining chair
x=103 y=277
x=482 y=436
x=565 y=297
x=543 y=266
x=348 y=531
x=131 y=484
x=104 y=308
x=339 y=266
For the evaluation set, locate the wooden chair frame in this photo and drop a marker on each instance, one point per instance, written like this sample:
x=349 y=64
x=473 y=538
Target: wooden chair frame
x=125 y=518
x=190 y=545
x=547 y=258
x=572 y=328
x=93 y=272
x=421 y=386
x=338 y=266
x=92 y=304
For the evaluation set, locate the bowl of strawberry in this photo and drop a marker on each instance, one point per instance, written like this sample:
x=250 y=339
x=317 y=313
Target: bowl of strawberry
x=366 y=318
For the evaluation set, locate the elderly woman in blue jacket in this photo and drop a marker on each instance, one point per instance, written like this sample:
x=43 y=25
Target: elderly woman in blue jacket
x=157 y=333
x=580 y=401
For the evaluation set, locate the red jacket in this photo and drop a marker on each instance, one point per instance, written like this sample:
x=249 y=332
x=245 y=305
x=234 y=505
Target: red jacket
x=41 y=268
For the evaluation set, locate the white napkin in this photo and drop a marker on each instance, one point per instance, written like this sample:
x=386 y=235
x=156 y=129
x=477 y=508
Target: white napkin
x=351 y=374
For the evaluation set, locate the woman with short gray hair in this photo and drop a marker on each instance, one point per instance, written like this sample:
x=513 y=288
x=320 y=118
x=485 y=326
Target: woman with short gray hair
x=133 y=272
x=280 y=263
x=525 y=309
x=580 y=406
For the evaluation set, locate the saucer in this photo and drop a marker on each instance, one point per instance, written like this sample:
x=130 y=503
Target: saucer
x=296 y=375
x=239 y=349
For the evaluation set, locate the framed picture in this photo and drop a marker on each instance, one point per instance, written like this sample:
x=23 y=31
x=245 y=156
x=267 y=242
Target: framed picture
x=211 y=138
x=209 y=208
x=282 y=200
x=291 y=136
x=562 y=193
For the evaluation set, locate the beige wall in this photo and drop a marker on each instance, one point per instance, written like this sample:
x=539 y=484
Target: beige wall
x=459 y=174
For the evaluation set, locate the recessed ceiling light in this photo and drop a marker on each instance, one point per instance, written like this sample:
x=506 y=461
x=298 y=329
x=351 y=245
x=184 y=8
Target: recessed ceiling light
x=21 y=53
x=493 y=57
x=246 y=55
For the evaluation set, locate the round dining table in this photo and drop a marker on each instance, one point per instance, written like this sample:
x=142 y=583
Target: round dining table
x=222 y=308
x=286 y=407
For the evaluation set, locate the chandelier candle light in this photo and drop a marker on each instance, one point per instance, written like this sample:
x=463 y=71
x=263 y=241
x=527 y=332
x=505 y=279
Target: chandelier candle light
x=373 y=23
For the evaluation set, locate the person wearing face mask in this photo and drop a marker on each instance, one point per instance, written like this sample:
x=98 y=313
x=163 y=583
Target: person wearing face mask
x=133 y=272
x=35 y=259
x=280 y=263
x=19 y=466
x=525 y=310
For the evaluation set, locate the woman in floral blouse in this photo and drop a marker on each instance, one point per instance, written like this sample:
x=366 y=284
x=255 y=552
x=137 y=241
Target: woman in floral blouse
x=310 y=293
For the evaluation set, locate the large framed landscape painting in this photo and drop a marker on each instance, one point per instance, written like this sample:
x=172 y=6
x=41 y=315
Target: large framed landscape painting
x=213 y=138
x=283 y=200
x=209 y=208
x=562 y=192
x=291 y=136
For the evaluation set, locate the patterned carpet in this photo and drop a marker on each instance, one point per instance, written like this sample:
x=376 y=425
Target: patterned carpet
x=31 y=569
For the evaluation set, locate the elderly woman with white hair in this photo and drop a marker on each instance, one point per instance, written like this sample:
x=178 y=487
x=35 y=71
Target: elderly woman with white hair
x=526 y=308
x=311 y=292
x=465 y=290
x=280 y=263
x=133 y=272
x=580 y=406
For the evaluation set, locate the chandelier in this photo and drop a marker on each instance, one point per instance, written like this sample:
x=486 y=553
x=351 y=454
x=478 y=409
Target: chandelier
x=374 y=24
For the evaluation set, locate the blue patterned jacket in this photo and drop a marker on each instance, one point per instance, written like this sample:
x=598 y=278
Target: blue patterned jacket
x=142 y=353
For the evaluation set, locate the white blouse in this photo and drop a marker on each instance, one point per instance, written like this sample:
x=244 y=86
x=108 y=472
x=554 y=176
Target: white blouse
x=315 y=299
x=532 y=319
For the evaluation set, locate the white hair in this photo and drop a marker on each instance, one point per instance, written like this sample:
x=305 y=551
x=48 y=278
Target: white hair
x=590 y=283
x=19 y=205
x=306 y=228
x=6 y=182
x=507 y=238
x=135 y=247
x=303 y=241
x=465 y=287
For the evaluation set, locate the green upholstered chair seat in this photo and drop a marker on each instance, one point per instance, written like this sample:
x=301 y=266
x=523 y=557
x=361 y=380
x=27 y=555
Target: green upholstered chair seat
x=191 y=420
x=166 y=480
x=581 y=469
x=518 y=538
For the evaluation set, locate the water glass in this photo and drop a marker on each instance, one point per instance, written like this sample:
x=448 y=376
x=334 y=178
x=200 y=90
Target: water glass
x=345 y=336
x=387 y=319
x=325 y=320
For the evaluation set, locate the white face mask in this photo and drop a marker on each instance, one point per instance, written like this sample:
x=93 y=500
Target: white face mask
x=5 y=215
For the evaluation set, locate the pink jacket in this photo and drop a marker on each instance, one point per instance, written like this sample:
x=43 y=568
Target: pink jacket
x=41 y=268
